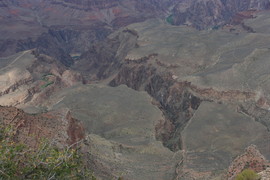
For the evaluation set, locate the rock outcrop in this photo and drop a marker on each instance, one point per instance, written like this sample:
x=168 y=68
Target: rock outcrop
x=251 y=159
x=265 y=175
x=59 y=126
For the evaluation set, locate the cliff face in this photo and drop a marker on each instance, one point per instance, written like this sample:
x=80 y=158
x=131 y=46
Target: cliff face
x=58 y=126
x=178 y=100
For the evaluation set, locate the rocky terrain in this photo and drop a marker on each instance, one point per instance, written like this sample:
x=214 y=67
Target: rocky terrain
x=28 y=78
x=265 y=174
x=187 y=96
x=156 y=89
x=212 y=13
x=250 y=159
x=58 y=126
x=64 y=28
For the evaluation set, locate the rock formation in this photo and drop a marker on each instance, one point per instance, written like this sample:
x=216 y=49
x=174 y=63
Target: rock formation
x=265 y=174
x=59 y=127
x=151 y=99
x=212 y=13
x=251 y=159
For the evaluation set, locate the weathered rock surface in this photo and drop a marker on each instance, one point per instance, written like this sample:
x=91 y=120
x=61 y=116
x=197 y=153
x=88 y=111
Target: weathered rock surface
x=58 y=126
x=121 y=123
x=265 y=175
x=251 y=159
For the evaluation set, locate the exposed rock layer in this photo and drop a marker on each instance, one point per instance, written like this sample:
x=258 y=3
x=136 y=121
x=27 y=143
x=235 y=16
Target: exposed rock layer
x=59 y=127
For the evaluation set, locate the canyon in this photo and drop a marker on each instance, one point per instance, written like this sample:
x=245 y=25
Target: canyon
x=159 y=89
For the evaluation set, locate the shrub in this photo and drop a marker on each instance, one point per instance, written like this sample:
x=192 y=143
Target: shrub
x=17 y=161
x=247 y=174
x=169 y=19
x=47 y=84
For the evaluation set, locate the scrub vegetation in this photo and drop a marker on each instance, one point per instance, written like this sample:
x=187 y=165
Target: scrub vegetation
x=46 y=161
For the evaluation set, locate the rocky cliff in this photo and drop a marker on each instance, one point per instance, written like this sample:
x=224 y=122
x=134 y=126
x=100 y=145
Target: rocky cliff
x=59 y=126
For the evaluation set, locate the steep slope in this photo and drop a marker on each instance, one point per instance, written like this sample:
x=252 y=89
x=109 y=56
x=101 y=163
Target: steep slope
x=59 y=126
